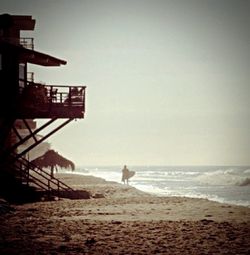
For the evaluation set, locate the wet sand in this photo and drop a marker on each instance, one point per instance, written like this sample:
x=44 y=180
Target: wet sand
x=123 y=220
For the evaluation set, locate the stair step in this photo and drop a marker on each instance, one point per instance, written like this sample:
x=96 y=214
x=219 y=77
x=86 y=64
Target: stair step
x=40 y=181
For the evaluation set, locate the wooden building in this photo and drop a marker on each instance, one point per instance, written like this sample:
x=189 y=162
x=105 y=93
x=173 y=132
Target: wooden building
x=22 y=100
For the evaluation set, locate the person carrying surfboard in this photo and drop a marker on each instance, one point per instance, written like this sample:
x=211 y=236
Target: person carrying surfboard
x=126 y=174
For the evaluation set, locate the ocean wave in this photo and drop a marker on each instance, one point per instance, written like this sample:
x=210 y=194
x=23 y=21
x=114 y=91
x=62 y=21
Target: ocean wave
x=247 y=171
x=191 y=193
x=156 y=174
x=224 y=177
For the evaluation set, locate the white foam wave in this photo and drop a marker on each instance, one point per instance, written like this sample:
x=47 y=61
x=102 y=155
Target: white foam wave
x=224 y=177
x=192 y=193
x=247 y=171
x=153 y=174
x=149 y=188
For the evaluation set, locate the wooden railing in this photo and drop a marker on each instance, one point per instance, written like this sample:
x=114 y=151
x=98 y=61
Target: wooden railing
x=66 y=95
x=69 y=95
x=52 y=98
x=27 y=42
x=30 y=76
x=31 y=174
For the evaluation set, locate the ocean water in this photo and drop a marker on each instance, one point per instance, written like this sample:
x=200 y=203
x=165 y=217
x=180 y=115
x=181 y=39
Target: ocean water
x=227 y=184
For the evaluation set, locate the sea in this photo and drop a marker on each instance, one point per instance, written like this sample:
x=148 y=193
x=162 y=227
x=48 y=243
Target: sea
x=226 y=184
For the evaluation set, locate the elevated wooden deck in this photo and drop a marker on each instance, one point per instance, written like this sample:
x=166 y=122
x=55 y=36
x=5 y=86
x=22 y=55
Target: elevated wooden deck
x=51 y=101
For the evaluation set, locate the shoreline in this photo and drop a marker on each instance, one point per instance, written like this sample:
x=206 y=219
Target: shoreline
x=187 y=207
x=98 y=180
x=124 y=221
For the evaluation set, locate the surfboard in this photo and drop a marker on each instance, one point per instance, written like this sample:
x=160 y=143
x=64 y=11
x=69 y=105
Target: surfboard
x=131 y=174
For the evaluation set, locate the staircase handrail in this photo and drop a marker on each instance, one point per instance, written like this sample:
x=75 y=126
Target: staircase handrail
x=31 y=166
x=33 y=177
x=35 y=167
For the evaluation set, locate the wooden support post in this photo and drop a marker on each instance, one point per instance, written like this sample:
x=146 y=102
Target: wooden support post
x=16 y=133
x=42 y=139
x=29 y=136
x=28 y=127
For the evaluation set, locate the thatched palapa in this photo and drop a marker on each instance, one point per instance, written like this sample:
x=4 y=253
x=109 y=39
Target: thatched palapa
x=53 y=160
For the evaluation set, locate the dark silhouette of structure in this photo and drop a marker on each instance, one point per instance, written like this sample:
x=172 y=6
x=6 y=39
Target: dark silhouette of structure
x=23 y=100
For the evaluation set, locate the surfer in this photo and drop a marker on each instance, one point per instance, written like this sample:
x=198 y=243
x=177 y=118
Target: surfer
x=126 y=174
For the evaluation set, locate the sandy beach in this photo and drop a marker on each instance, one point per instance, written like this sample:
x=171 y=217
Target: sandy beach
x=118 y=219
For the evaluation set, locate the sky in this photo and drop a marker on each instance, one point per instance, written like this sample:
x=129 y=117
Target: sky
x=168 y=81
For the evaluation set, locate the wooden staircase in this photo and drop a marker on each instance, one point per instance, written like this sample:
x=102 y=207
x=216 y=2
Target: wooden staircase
x=28 y=183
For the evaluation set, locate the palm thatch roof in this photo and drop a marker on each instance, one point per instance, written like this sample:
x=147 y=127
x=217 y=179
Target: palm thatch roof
x=53 y=159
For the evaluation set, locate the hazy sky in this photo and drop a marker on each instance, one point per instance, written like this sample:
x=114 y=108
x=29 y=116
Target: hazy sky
x=168 y=82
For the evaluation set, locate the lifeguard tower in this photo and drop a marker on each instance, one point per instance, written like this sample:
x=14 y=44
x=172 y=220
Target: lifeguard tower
x=21 y=101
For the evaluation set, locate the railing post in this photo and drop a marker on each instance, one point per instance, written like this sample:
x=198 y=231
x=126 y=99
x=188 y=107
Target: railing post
x=28 y=173
x=70 y=96
x=58 y=186
x=21 y=170
x=50 y=94
x=32 y=43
